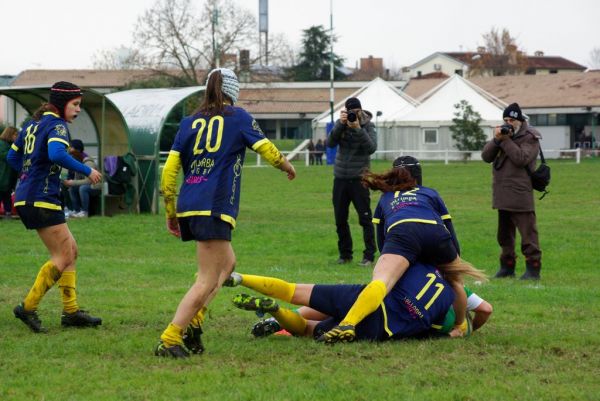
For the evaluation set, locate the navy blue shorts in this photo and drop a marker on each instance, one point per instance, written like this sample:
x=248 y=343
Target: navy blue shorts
x=203 y=228
x=38 y=217
x=336 y=301
x=428 y=243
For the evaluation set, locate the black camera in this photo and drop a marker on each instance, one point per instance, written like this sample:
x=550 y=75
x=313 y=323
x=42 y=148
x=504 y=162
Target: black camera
x=506 y=129
x=352 y=116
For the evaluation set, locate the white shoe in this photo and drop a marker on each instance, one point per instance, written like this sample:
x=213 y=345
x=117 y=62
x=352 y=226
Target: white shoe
x=79 y=215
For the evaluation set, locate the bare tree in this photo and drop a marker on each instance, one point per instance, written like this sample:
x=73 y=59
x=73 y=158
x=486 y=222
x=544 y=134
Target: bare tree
x=120 y=58
x=501 y=55
x=177 y=40
x=594 y=62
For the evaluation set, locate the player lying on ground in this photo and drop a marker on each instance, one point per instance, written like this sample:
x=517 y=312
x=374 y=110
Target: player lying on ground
x=418 y=301
x=480 y=311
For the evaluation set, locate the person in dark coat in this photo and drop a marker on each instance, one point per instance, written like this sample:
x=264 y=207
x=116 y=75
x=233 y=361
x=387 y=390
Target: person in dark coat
x=355 y=134
x=510 y=152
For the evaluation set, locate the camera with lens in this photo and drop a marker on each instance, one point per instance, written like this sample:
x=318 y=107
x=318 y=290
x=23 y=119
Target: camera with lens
x=506 y=129
x=352 y=116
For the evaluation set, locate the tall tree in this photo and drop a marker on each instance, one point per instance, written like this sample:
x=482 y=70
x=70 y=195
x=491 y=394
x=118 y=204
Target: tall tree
x=466 y=131
x=315 y=56
x=501 y=56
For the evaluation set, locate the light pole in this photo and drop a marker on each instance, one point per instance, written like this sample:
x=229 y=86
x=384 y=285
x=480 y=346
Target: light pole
x=331 y=74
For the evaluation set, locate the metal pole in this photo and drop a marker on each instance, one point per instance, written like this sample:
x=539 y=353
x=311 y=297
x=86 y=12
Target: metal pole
x=331 y=97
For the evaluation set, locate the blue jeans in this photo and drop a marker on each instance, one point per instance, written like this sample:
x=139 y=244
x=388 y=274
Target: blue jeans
x=80 y=197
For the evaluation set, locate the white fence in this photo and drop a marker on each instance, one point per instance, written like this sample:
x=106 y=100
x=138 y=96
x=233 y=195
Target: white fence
x=445 y=155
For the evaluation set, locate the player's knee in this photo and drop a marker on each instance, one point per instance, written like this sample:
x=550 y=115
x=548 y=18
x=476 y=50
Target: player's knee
x=485 y=308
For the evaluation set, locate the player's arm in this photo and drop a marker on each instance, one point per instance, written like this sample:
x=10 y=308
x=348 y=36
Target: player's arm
x=15 y=158
x=481 y=308
x=273 y=156
x=379 y=223
x=168 y=188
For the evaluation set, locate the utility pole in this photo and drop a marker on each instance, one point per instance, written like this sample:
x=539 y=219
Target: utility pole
x=331 y=74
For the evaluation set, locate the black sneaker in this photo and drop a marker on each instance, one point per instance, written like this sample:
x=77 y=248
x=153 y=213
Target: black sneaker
x=176 y=351
x=79 y=319
x=266 y=327
x=343 y=261
x=344 y=334
x=192 y=339
x=30 y=318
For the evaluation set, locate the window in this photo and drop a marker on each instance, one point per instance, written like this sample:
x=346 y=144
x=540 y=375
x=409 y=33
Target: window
x=551 y=119
x=553 y=71
x=542 y=119
x=458 y=72
x=430 y=135
x=561 y=119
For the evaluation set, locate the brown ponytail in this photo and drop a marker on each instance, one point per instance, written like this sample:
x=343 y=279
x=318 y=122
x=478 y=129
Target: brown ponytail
x=396 y=179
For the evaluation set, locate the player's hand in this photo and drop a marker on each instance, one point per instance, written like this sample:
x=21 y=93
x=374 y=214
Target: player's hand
x=173 y=226
x=95 y=176
x=288 y=168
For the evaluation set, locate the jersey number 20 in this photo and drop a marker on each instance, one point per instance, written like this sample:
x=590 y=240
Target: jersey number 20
x=214 y=134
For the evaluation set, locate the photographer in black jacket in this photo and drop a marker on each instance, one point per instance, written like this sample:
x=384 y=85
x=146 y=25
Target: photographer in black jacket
x=355 y=134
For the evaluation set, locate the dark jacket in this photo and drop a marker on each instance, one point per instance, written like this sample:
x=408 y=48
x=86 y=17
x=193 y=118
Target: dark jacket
x=512 y=189
x=8 y=176
x=356 y=145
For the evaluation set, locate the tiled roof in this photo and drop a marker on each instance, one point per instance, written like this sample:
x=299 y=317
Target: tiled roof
x=553 y=90
x=531 y=91
x=86 y=78
x=545 y=62
x=290 y=100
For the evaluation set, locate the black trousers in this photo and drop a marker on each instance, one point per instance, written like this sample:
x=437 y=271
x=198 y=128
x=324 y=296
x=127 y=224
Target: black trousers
x=344 y=192
x=525 y=222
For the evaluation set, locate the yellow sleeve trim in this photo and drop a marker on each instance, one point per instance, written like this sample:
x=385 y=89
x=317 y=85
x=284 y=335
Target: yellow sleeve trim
x=411 y=221
x=14 y=147
x=168 y=182
x=269 y=152
x=49 y=113
x=446 y=217
x=58 y=140
x=376 y=221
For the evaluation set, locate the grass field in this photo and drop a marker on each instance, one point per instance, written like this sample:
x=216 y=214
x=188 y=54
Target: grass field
x=542 y=342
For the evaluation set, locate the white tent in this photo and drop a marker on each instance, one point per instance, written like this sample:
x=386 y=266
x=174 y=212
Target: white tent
x=426 y=129
x=376 y=96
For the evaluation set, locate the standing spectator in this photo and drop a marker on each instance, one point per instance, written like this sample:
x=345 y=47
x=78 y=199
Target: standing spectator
x=515 y=147
x=355 y=134
x=319 y=150
x=39 y=153
x=80 y=187
x=311 y=151
x=8 y=176
x=210 y=147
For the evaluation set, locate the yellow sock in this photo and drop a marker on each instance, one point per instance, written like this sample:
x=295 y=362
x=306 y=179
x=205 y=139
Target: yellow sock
x=367 y=302
x=172 y=335
x=290 y=320
x=270 y=286
x=198 y=320
x=47 y=276
x=66 y=284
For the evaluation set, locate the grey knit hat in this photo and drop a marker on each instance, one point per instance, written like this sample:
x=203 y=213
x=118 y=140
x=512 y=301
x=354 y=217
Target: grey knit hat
x=231 y=85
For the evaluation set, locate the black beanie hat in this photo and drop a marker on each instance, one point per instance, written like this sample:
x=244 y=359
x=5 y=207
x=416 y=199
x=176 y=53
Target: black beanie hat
x=513 y=111
x=61 y=93
x=353 y=103
x=77 y=144
x=412 y=165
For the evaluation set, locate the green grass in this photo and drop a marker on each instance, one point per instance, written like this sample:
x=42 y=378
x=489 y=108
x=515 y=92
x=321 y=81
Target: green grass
x=542 y=342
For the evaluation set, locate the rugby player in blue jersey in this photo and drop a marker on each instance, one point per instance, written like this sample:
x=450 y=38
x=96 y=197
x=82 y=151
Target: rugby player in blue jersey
x=412 y=224
x=210 y=147
x=417 y=302
x=39 y=153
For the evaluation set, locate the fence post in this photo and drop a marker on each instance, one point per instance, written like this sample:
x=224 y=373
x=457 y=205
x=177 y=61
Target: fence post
x=446 y=157
x=306 y=157
x=578 y=155
x=257 y=160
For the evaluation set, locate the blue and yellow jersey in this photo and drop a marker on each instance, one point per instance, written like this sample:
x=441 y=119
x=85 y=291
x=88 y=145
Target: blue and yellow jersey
x=420 y=298
x=211 y=151
x=39 y=182
x=418 y=205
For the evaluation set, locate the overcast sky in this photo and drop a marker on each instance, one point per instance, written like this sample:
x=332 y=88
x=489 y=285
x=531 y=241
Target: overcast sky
x=65 y=34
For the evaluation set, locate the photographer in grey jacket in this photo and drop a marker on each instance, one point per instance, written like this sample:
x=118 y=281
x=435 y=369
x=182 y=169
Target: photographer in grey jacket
x=355 y=135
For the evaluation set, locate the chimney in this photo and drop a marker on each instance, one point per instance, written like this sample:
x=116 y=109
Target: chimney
x=244 y=60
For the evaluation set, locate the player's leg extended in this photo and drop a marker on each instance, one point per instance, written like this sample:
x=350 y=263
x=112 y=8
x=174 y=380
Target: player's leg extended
x=298 y=294
x=387 y=272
